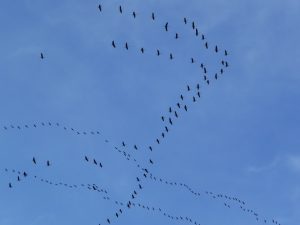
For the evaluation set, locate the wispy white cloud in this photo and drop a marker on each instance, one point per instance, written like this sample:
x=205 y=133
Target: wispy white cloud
x=262 y=168
x=293 y=162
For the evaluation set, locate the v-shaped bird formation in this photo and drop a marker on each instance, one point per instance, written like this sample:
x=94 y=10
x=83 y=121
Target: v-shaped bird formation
x=190 y=95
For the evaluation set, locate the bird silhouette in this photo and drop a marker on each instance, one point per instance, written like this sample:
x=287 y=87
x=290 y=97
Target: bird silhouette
x=25 y=174
x=86 y=158
x=226 y=64
x=34 y=161
x=194 y=99
x=108 y=221
x=153 y=17
x=197 y=32
x=123 y=143
x=171 y=56
x=100 y=164
x=120 y=9
x=126 y=45
x=9 y=185
x=188 y=88
x=113 y=44
x=150 y=148
x=198 y=93
x=216 y=76
x=222 y=71
x=142 y=50
x=207 y=82
x=206 y=45
x=157 y=52
x=48 y=163
x=225 y=52
x=18 y=178
x=205 y=71
x=166 y=26
x=198 y=86
x=203 y=37
x=181 y=96
x=176 y=36
x=163 y=134
x=166 y=128
x=192 y=60
x=170 y=121
x=95 y=162
x=176 y=115
x=193 y=25
x=216 y=49
x=117 y=215
x=100 y=7
x=170 y=109
x=157 y=140
x=178 y=105
x=42 y=55
x=185 y=20
x=163 y=118
x=134 y=14
x=204 y=77
x=185 y=107
x=135 y=147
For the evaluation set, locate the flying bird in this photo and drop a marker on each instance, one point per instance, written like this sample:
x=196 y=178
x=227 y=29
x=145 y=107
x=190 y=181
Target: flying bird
x=198 y=93
x=163 y=118
x=225 y=52
x=9 y=185
x=95 y=162
x=206 y=45
x=135 y=147
x=100 y=164
x=86 y=158
x=123 y=143
x=226 y=64
x=153 y=17
x=216 y=49
x=150 y=148
x=100 y=7
x=170 y=121
x=181 y=96
x=134 y=14
x=166 y=128
x=193 y=25
x=120 y=9
x=216 y=76
x=198 y=86
x=157 y=141
x=142 y=50
x=194 y=99
x=48 y=163
x=166 y=26
x=42 y=55
x=113 y=44
x=25 y=174
x=178 y=105
x=188 y=88
x=170 y=109
x=19 y=178
x=185 y=20
x=192 y=60
x=108 y=221
x=171 y=56
x=205 y=71
x=185 y=107
x=221 y=71
x=176 y=115
x=203 y=37
x=207 y=82
x=163 y=135
x=176 y=36
x=126 y=45
x=34 y=161
x=157 y=52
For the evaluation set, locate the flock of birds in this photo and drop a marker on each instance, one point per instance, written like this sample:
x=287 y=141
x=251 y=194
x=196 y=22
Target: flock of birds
x=168 y=120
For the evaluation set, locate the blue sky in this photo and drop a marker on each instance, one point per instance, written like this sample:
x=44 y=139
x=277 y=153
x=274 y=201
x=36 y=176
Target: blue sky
x=240 y=138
